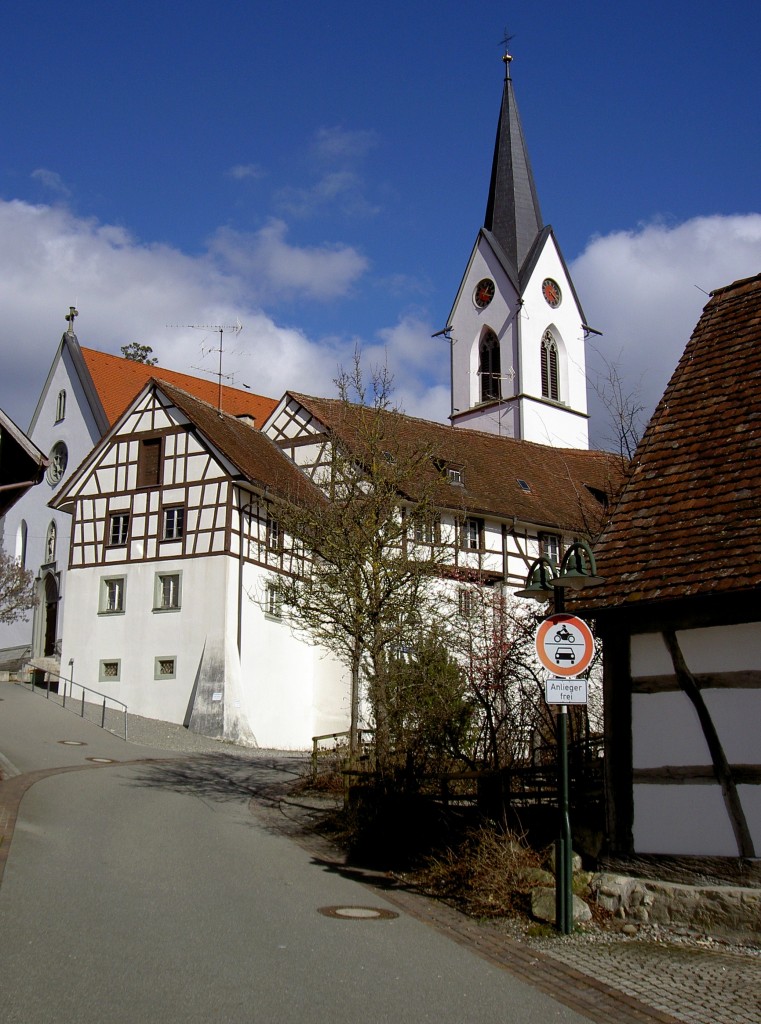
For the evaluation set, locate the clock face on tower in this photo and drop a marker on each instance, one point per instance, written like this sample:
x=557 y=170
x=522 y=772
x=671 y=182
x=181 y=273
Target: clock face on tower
x=551 y=292
x=484 y=293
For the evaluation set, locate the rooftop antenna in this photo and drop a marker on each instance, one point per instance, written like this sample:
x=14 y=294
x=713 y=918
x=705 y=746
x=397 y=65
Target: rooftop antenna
x=236 y=328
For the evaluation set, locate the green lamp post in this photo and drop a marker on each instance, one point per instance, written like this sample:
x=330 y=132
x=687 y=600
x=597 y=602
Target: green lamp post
x=578 y=569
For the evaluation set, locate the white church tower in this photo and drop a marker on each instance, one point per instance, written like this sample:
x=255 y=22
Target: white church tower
x=516 y=328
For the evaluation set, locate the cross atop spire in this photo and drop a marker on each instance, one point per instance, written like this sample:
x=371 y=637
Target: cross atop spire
x=507 y=57
x=70 y=317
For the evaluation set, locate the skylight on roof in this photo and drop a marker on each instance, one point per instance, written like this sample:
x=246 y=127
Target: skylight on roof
x=523 y=485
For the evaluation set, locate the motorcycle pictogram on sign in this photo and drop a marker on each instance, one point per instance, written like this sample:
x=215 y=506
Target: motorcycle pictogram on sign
x=565 y=645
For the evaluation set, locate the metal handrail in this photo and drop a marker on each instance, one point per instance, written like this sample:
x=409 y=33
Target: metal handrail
x=69 y=684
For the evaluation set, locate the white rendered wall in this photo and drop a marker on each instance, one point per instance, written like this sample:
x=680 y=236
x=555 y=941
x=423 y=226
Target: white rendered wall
x=468 y=323
x=294 y=690
x=692 y=818
x=520 y=326
x=546 y=422
x=79 y=433
x=140 y=635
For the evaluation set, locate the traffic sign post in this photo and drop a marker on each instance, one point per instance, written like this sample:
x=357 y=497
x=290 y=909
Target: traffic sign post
x=565 y=647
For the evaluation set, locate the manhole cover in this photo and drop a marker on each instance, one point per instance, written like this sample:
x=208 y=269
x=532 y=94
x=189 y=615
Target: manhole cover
x=359 y=913
x=102 y=760
x=73 y=743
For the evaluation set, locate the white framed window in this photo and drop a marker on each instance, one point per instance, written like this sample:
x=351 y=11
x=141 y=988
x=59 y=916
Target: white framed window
x=549 y=546
x=167 y=595
x=112 y=595
x=465 y=603
x=273 y=605
x=60 y=406
x=110 y=670
x=165 y=667
x=471 y=534
x=174 y=523
x=274 y=534
x=118 y=529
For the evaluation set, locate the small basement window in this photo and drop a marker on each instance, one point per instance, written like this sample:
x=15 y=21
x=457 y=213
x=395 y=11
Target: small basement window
x=110 y=671
x=165 y=668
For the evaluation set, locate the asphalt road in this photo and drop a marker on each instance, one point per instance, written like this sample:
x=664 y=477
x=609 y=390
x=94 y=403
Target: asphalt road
x=149 y=893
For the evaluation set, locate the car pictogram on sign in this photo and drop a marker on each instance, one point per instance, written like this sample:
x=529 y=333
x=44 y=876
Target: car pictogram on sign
x=565 y=645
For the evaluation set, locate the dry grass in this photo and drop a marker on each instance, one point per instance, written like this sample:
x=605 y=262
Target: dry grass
x=491 y=874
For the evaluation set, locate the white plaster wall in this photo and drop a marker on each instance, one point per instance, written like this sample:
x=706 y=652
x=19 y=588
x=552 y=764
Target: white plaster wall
x=550 y=424
x=689 y=820
x=750 y=798
x=737 y=717
x=666 y=731
x=710 y=649
x=292 y=689
x=78 y=432
x=140 y=635
x=536 y=316
x=468 y=321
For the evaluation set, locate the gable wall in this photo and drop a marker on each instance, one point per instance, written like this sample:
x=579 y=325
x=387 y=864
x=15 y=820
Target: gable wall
x=79 y=432
x=678 y=806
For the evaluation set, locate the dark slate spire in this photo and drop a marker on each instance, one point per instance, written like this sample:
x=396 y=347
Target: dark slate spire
x=512 y=211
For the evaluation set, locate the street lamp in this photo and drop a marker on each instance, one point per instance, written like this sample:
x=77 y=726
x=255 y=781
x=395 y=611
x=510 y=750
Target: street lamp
x=578 y=569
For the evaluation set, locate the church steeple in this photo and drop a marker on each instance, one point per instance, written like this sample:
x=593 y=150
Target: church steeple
x=513 y=215
x=516 y=327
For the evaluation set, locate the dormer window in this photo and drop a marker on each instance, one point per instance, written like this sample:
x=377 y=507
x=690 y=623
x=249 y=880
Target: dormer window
x=453 y=474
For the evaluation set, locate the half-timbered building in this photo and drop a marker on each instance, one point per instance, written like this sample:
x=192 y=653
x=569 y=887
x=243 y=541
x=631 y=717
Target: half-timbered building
x=501 y=501
x=681 y=612
x=170 y=606
x=85 y=391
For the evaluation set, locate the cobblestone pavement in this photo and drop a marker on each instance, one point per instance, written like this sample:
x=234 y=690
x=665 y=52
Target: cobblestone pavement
x=692 y=982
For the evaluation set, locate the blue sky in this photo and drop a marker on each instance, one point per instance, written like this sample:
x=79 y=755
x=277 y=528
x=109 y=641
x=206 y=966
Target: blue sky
x=320 y=171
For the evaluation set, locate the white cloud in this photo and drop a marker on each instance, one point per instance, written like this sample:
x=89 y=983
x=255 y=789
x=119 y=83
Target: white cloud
x=127 y=291
x=51 y=180
x=341 y=145
x=645 y=290
x=241 y=172
x=274 y=268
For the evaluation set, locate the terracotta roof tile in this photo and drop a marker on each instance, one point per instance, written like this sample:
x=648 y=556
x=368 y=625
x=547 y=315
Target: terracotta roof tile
x=559 y=479
x=689 y=519
x=258 y=459
x=118 y=381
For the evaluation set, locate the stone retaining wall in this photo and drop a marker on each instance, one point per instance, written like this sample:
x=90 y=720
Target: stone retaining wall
x=721 y=910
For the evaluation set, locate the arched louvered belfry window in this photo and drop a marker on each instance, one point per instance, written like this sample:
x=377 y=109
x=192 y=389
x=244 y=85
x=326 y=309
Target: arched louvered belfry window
x=550 y=387
x=489 y=366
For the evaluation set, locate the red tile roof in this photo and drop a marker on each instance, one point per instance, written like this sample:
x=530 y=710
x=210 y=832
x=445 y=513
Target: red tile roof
x=689 y=519
x=257 y=457
x=118 y=381
x=561 y=482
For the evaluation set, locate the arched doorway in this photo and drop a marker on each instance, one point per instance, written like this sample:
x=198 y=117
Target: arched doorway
x=50 y=621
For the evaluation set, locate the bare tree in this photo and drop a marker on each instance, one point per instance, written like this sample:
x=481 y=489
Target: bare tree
x=17 y=592
x=492 y=636
x=623 y=403
x=367 y=579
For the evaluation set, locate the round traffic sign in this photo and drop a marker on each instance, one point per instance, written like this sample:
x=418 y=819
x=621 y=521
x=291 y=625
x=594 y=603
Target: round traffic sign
x=565 y=645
